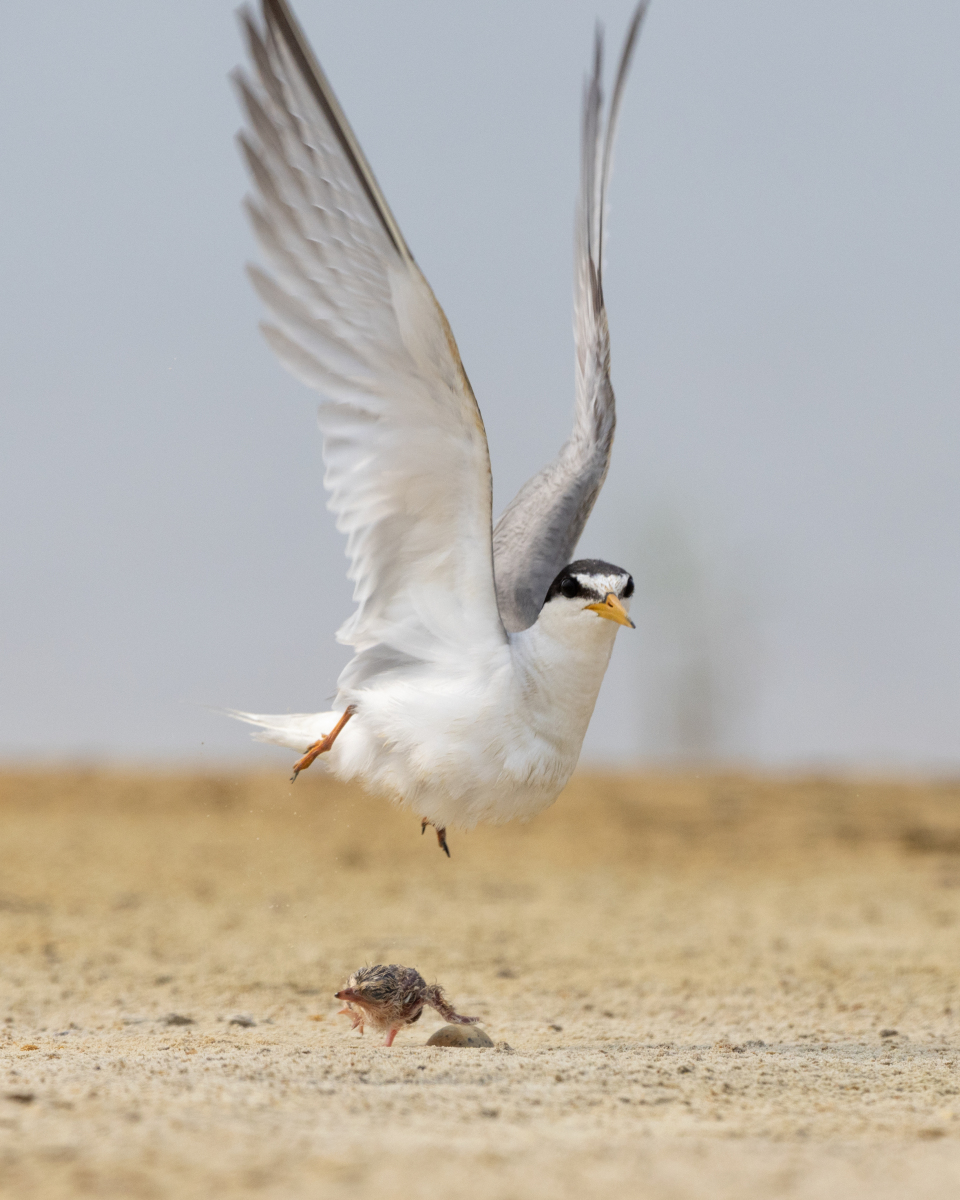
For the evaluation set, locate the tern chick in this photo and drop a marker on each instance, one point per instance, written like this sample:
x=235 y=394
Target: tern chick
x=389 y=997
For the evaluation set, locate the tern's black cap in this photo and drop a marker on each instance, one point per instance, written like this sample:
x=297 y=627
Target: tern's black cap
x=576 y=579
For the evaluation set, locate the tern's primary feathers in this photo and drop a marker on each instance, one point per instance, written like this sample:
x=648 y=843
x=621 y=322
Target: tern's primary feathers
x=469 y=691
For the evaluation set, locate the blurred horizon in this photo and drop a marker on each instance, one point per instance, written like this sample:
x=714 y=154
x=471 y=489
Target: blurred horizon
x=783 y=288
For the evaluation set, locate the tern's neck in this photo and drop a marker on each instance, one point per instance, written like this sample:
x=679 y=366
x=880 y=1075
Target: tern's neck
x=560 y=664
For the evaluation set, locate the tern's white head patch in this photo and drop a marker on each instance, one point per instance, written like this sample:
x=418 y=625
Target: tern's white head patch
x=591 y=579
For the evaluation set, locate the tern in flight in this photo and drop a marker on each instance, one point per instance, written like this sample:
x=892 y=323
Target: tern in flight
x=478 y=651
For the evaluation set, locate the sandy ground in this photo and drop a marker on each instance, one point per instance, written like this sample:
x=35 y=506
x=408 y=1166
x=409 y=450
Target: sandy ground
x=701 y=987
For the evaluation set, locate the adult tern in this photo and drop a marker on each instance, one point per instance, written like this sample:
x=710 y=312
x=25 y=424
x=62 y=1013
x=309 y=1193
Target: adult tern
x=478 y=652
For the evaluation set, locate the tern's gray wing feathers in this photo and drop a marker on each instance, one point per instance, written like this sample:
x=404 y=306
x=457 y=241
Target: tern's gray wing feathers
x=310 y=74
x=404 y=445
x=538 y=532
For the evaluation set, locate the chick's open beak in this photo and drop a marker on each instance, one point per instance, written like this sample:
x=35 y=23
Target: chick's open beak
x=613 y=610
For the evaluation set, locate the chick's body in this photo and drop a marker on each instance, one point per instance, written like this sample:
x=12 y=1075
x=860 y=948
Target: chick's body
x=389 y=997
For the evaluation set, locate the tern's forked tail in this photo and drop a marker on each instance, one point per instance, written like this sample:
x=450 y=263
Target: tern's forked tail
x=297 y=731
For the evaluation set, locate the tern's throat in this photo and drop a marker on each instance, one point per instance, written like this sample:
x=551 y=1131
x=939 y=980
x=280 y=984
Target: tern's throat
x=560 y=662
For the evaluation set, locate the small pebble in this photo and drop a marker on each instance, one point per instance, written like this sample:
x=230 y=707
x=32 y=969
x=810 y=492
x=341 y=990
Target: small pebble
x=242 y=1019
x=178 y=1019
x=459 y=1035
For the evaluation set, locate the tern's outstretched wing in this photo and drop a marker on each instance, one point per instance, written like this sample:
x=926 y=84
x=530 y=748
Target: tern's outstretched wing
x=539 y=531
x=404 y=446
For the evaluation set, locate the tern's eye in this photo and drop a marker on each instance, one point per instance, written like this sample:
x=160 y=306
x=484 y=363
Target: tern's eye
x=569 y=588
x=628 y=590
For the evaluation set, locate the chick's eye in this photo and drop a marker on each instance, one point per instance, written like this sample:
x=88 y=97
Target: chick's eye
x=569 y=588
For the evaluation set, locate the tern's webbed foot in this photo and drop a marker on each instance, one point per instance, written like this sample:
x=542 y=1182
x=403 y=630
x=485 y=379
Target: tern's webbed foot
x=323 y=745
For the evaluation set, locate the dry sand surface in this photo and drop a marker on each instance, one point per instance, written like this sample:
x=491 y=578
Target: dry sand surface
x=715 y=986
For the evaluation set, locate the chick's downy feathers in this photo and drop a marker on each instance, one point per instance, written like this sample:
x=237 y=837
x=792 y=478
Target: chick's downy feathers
x=388 y=997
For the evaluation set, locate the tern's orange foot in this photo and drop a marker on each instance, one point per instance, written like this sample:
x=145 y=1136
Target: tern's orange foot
x=312 y=752
x=323 y=745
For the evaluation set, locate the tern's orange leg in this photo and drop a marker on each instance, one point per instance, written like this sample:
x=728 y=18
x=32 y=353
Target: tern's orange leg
x=323 y=745
x=390 y=1036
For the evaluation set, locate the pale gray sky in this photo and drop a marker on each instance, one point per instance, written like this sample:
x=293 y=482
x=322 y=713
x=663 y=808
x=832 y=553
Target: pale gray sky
x=783 y=283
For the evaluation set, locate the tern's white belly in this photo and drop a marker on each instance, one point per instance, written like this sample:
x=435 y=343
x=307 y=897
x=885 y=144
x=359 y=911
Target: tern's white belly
x=452 y=765
x=487 y=742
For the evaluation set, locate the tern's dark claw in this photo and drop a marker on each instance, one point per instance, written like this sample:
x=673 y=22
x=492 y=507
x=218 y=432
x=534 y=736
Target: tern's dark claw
x=441 y=835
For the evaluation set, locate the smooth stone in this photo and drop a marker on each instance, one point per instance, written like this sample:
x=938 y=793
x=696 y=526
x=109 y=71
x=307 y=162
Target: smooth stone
x=459 y=1035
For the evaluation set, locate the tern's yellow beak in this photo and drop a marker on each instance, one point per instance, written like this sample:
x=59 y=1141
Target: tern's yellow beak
x=613 y=610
